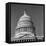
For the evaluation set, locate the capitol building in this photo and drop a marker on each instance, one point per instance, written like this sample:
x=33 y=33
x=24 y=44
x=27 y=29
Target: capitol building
x=24 y=28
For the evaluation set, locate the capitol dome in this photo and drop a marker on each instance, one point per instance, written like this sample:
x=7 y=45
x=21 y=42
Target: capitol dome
x=24 y=21
x=24 y=28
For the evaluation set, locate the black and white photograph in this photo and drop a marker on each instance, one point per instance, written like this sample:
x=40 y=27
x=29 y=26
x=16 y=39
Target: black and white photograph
x=25 y=22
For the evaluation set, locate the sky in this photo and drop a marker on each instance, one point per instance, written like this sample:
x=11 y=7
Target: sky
x=36 y=12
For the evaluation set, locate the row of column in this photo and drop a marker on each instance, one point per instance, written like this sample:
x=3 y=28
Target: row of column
x=25 y=29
